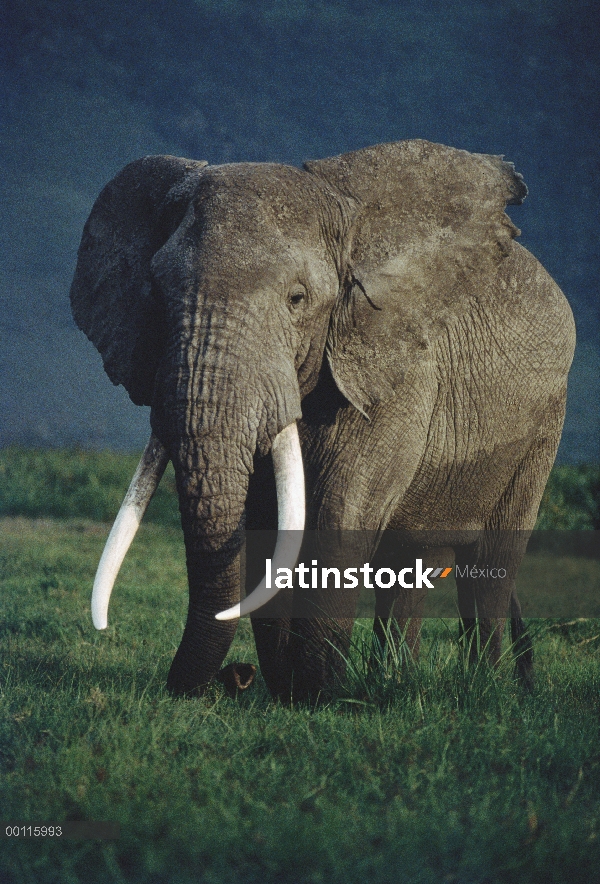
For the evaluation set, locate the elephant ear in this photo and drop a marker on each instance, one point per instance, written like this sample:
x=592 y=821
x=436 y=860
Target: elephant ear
x=427 y=236
x=112 y=296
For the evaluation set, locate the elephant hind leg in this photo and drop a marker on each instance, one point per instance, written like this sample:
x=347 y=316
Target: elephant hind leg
x=483 y=601
x=467 y=624
x=522 y=646
x=502 y=546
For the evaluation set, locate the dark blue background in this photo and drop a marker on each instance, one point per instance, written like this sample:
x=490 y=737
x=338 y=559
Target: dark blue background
x=89 y=86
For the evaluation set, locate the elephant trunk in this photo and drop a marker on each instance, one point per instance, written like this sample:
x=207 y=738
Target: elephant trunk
x=289 y=481
x=221 y=402
x=212 y=503
x=213 y=526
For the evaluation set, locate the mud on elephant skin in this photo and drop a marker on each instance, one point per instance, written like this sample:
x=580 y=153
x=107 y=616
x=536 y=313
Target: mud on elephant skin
x=364 y=329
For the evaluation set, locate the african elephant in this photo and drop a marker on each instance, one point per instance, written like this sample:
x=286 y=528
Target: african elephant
x=364 y=327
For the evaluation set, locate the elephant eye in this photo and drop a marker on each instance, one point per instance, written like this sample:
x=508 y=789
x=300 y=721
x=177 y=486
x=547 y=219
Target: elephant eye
x=296 y=297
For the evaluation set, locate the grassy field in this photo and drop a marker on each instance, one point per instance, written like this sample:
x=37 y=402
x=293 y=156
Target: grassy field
x=90 y=484
x=438 y=774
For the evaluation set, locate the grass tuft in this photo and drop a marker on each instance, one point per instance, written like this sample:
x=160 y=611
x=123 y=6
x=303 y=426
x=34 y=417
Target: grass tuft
x=389 y=676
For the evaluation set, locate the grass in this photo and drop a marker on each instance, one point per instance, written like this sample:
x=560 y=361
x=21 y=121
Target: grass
x=66 y=483
x=435 y=773
x=572 y=498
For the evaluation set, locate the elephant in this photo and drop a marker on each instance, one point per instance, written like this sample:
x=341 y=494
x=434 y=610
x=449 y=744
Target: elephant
x=355 y=347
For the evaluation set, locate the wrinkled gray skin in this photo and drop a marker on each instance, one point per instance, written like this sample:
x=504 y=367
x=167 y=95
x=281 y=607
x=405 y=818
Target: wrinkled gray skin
x=378 y=299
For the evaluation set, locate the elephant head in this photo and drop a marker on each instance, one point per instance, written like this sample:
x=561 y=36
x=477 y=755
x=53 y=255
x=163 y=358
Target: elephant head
x=218 y=295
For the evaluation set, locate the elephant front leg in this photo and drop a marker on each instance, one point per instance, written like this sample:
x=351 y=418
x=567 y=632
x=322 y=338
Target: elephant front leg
x=271 y=635
x=205 y=640
x=396 y=626
x=320 y=648
x=486 y=572
x=398 y=609
x=271 y=623
x=324 y=612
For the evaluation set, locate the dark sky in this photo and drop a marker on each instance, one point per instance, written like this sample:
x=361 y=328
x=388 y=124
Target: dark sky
x=89 y=86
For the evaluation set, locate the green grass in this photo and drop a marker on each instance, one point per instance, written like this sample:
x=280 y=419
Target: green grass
x=572 y=498
x=69 y=483
x=439 y=774
x=73 y=483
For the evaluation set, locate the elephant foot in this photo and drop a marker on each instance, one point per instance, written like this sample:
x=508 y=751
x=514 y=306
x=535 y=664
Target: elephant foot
x=236 y=677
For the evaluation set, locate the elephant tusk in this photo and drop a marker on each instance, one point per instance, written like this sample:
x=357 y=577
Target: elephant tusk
x=143 y=485
x=289 y=480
